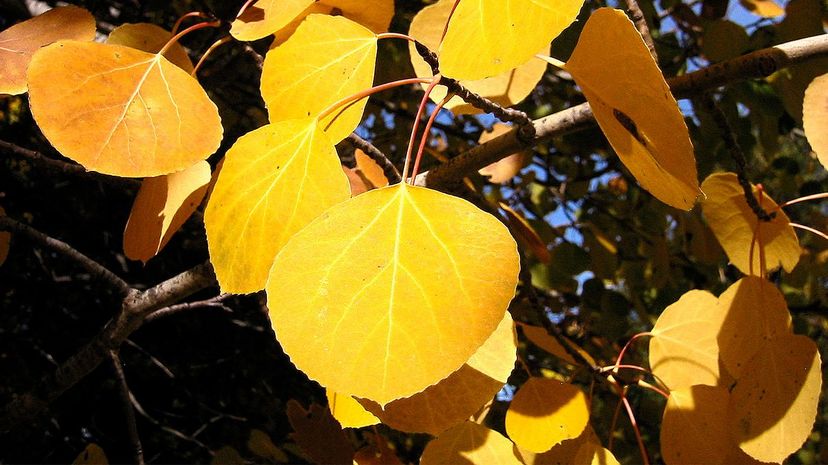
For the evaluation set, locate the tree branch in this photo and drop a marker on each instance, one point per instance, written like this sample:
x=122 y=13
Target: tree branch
x=640 y=22
x=388 y=169
x=93 y=267
x=129 y=412
x=137 y=305
x=758 y=64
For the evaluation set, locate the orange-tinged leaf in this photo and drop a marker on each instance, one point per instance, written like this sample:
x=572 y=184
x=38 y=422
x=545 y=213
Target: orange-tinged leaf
x=545 y=412
x=470 y=443
x=318 y=434
x=326 y=59
x=370 y=169
x=764 y=8
x=641 y=121
x=506 y=89
x=583 y=450
x=422 y=277
x=506 y=168
x=775 y=402
x=19 y=42
x=91 y=455
x=266 y=17
x=357 y=180
x=375 y=15
x=815 y=117
x=151 y=39
x=684 y=349
x=459 y=396
x=161 y=207
x=274 y=181
x=752 y=312
x=735 y=225
x=121 y=111
x=489 y=37
x=695 y=428
x=348 y=412
x=5 y=241
x=526 y=234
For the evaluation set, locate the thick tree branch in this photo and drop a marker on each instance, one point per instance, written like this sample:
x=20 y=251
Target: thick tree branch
x=93 y=267
x=758 y=64
x=137 y=305
x=640 y=22
x=388 y=169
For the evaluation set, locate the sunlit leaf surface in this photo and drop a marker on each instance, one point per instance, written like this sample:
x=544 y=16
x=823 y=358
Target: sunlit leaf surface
x=815 y=117
x=470 y=443
x=398 y=288
x=266 y=17
x=348 y=412
x=545 y=412
x=121 y=111
x=634 y=107
x=695 y=428
x=19 y=42
x=274 y=181
x=150 y=38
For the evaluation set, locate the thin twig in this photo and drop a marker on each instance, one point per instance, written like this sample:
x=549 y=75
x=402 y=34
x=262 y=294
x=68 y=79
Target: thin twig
x=640 y=22
x=388 y=169
x=129 y=412
x=736 y=154
x=93 y=267
x=178 y=308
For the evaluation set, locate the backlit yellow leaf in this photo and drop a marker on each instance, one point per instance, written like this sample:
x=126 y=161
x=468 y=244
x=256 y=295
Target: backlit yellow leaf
x=326 y=59
x=815 y=117
x=266 y=17
x=545 y=412
x=399 y=287
x=5 y=241
x=375 y=15
x=735 y=226
x=161 y=207
x=19 y=42
x=348 y=412
x=634 y=107
x=752 y=312
x=489 y=37
x=461 y=395
x=506 y=168
x=470 y=443
x=684 y=350
x=764 y=8
x=274 y=181
x=775 y=401
x=151 y=39
x=121 y=111
x=92 y=455
x=507 y=88
x=583 y=450
x=695 y=428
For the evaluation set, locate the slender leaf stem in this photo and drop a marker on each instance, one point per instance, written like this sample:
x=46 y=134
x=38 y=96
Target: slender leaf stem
x=821 y=195
x=420 y=110
x=644 y=458
x=552 y=61
x=368 y=92
x=810 y=229
x=395 y=35
x=627 y=346
x=190 y=29
x=203 y=58
x=426 y=133
x=192 y=14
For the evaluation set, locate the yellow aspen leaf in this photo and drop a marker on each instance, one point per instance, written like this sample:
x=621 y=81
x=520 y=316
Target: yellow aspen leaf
x=92 y=455
x=684 y=349
x=260 y=444
x=695 y=427
x=151 y=39
x=422 y=277
x=326 y=59
x=703 y=244
x=161 y=207
x=634 y=107
x=370 y=169
x=5 y=241
x=265 y=17
x=753 y=312
x=470 y=443
x=318 y=434
x=545 y=412
x=815 y=117
x=592 y=453
x=348 y=412
x=506 y=168
x=375 y=15
x=273 y=182
x=461 y=395
x=542 y=339
x=526 y=234
x=489 y=37
x=506 y=88
x=774 y=403
x=735 y=226
x=121 y=111
x=763 y=8
x=19 y=42
x=583 y=450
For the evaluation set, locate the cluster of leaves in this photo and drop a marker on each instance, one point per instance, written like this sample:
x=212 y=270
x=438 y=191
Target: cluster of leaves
x=396 y=298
